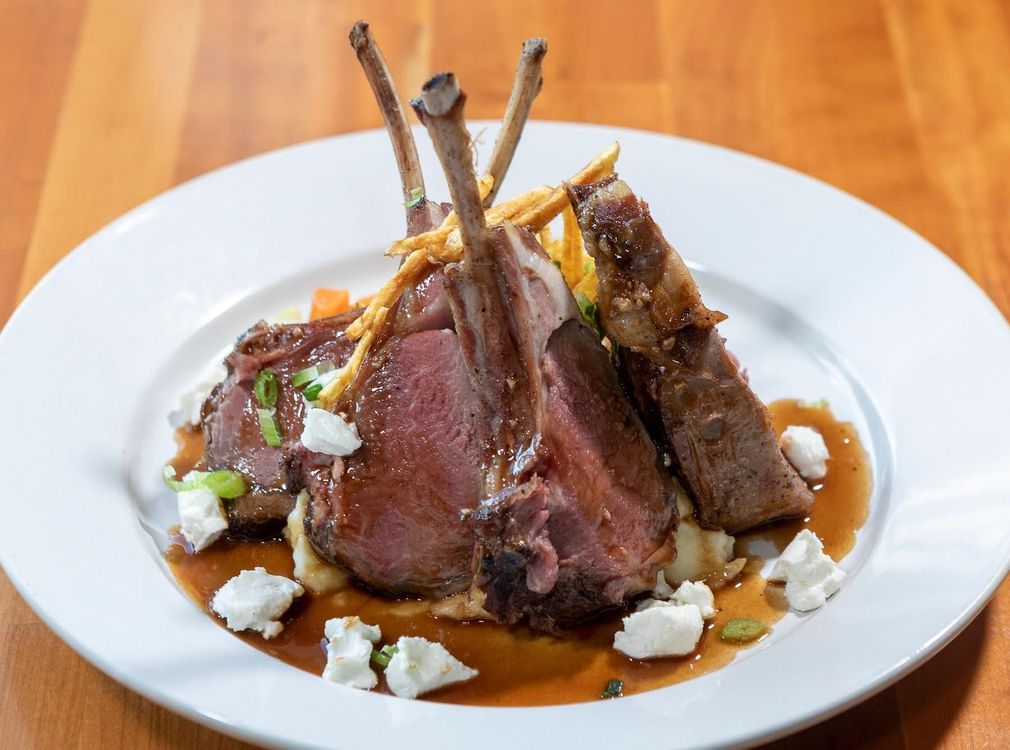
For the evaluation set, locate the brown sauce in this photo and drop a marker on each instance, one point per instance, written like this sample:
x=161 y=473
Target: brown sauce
x=519 y=667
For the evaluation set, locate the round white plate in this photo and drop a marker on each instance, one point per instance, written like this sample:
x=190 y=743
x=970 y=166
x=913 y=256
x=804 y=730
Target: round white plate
x=827 y=297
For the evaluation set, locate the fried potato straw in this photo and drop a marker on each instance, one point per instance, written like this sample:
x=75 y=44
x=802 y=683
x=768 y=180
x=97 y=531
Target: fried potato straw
x=533 y=210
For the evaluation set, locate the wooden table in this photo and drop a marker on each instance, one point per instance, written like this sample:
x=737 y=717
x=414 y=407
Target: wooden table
x=104 y=104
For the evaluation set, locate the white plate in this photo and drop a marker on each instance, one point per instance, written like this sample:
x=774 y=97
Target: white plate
x=827 y=298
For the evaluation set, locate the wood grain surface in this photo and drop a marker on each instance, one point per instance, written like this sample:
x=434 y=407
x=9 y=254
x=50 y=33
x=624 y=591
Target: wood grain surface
x=106 y=103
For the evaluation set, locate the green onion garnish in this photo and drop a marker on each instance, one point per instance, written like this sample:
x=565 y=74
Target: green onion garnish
x=614 y=689
x=590 y=311
x=416 y=196
x=265 y=388
x=819 y=404
x=223 y=483
x=307 y=375
x=382 y=656
x=312 y=392
x=742 y=630
x=269 y=427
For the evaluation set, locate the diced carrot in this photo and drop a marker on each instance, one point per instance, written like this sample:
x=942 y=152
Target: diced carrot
x=329 y=302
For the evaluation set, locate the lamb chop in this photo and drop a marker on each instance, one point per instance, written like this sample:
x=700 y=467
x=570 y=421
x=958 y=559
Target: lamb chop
x=391 y=512
x=230 y=422
x=675 y=365
x=574 y=515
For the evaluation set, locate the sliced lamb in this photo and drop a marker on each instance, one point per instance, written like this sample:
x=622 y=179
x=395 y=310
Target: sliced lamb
x=574 y=515
x=231 y=428
x=686 y=385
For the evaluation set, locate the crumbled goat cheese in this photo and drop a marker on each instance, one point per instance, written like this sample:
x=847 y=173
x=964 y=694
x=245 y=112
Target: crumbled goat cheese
x=316 y=574
x=254 y=600
x=697 y=594
x=420 y=666
x=328 y=433
x=661 y=629
x=191 y=402
x=805 y=449
x=699 y=551
x=202 y=520
x=811 y=577
x=349 y=651
x=688 y=592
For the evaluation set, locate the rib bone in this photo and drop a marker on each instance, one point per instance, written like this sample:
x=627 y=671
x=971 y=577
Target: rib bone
x=393 y=113
x=479 y=293
x=440 y=110
x=527 y=85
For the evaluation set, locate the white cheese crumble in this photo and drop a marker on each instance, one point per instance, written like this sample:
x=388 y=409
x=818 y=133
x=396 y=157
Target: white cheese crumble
x=811 y=577
x=697 y=594
x=254 y=600
x=661 y=629
x=699 y=551
x=349 y=651
x=329 y=433
x=191 y=402
x=317 y=575
x=420 y=666
x=805 y=449
x=202 y=520
x=689 y=592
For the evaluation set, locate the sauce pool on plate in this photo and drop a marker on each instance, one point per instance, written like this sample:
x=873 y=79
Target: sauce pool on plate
x=522 y=667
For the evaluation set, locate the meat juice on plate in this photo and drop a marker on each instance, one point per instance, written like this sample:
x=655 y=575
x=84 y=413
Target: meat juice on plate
x=522 y=667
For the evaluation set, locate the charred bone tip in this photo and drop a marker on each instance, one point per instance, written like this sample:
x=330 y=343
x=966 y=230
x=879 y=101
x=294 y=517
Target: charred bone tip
x=535 y=48
x=360 y=36
x=438 y=95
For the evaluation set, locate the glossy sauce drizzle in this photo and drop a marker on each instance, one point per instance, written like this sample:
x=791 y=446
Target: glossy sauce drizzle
x=520 y=667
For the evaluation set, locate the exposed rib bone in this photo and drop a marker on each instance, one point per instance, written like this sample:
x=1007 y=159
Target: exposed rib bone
x=440 y=109
x=478 y=294
x=393 y=113
x=527 y=85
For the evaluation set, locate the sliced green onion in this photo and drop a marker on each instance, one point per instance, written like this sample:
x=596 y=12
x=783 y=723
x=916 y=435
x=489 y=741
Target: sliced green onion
x=226 y=484
x=312 y=392
x=265 y=388
x=382 y=656
x=819 y=404
x=269 y=427
x=416 y=196
x=590 y=311
x=307 y=375
x=742 y=630
x=613 y=689
x=223 y=483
